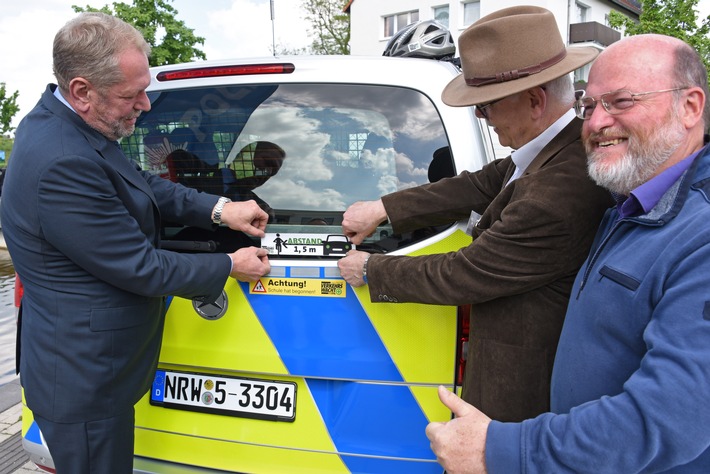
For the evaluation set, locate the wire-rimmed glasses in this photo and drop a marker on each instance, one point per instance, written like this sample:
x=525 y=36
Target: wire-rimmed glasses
x=482 y=108
x=614 y=102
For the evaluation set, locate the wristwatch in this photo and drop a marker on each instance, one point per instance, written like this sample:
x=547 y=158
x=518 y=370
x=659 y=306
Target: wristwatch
x=217 y=212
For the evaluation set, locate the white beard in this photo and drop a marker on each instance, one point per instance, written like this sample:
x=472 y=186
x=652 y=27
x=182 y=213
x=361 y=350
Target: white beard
x=644 y=156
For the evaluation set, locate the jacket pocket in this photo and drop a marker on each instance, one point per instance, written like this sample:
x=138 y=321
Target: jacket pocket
x=110 y=319
x=622 y=279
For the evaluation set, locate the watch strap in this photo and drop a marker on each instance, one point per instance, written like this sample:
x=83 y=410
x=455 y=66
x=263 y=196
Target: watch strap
x=218 y=208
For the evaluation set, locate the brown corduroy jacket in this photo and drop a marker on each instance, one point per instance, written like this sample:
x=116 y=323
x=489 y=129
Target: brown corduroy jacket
x=531 y=239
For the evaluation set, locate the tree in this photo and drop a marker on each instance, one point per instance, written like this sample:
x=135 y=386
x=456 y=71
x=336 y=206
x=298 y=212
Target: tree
x=8 y=109
x=155 y=18
x=677 y=18
x=330 y=25
x=284 y=50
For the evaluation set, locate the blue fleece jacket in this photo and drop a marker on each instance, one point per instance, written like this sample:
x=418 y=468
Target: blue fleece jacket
x=631 y=383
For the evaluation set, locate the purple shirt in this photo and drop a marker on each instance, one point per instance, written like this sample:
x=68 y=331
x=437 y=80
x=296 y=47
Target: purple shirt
x=645 y=197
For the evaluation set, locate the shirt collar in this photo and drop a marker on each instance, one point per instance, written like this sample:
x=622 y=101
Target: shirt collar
x=523 y=156
x=61 y=98
x=646 y=196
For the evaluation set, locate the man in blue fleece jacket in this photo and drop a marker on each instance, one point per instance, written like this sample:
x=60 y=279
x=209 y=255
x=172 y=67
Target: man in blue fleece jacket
x=631 y=381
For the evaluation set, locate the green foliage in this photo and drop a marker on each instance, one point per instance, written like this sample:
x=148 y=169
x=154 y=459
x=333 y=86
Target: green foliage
x=284 y=50
x=8 y=109
x=330 y=26
x=677 y=18
x=6 y=145
x=154 y=19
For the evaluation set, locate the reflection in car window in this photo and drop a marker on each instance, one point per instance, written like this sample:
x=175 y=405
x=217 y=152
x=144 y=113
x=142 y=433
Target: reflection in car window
x=304 y=152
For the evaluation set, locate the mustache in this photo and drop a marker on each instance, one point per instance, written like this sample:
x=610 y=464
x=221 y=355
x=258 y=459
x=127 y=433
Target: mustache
x=604 y=134
x=589 y=140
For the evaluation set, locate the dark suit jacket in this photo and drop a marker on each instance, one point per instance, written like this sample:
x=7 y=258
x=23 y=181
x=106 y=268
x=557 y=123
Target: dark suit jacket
x=82 y=225
x=532 y=238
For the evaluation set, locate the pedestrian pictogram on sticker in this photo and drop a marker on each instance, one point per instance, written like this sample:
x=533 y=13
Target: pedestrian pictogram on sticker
x=307 y=245
x=258 y=287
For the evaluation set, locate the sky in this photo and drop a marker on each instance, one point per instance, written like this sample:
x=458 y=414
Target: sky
x=231 y=28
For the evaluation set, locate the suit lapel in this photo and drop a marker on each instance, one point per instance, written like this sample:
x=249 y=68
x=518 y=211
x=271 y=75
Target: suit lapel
x=109 y=150
x=112 y=153
x=509 y=172
x=569 y=134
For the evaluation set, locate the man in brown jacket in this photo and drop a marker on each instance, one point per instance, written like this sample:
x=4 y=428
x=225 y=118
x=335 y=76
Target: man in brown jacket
x=538 y=214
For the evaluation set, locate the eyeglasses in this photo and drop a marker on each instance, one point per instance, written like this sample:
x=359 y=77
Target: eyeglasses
x=482 y=108
x=614 y=102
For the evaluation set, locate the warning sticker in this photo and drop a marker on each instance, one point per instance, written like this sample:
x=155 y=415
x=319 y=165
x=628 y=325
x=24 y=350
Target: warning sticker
x=307 y=245
x=299 y=287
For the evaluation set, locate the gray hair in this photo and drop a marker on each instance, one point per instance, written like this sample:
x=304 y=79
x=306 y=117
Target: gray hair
x=89 y=46
x=690 y=71
x=561 y=90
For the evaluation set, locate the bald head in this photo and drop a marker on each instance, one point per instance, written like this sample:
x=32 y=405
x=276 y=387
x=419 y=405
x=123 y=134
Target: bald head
x=650 y=62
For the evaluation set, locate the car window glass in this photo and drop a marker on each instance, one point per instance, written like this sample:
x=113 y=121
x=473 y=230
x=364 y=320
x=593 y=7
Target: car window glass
x=304 y=152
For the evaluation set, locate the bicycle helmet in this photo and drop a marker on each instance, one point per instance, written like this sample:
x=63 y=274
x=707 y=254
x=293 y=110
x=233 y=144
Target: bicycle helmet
x=422 y=39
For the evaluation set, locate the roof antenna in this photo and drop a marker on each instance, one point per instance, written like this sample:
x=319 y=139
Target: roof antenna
x=273 y=37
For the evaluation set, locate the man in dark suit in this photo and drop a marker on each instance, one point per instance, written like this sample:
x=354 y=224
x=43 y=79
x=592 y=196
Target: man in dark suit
x=534 y=214
x=82 y=225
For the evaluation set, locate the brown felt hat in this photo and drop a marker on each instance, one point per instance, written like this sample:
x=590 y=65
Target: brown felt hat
x=509 y=51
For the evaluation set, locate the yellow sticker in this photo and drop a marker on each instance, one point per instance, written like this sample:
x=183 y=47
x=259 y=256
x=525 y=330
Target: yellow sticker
x=298 y=287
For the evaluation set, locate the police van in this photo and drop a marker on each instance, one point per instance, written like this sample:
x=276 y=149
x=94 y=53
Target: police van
x=299 y=372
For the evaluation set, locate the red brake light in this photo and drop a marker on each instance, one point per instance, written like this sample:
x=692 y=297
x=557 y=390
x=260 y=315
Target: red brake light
x=19 y=290
x=216 y=71
x=463 y=316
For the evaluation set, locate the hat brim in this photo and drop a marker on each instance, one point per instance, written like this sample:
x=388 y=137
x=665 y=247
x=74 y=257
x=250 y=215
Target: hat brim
x=459 y=94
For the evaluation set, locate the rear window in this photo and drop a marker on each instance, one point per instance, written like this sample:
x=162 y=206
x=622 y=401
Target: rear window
x=304 y=152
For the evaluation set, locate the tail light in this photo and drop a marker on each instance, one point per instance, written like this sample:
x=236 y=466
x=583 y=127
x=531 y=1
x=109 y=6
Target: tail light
x=19 y=291
x=462 y=313
x=217 y=71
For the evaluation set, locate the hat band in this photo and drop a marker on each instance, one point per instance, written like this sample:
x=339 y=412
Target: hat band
x=515 y=73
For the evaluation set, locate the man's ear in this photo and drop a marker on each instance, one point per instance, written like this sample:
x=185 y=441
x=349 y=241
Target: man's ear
x=693 y=107
x=538 y=100
x=80 y=94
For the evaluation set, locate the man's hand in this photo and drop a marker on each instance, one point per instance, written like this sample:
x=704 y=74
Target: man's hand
x=245 y=216
x=361 y=219
x=460 y=444
x=351 y=267
x=249 y=263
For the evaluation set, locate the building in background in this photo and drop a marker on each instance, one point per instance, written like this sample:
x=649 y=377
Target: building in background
x=373 y=22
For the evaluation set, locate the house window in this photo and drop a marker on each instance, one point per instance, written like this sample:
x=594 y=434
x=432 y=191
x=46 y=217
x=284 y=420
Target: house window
x=581 y=13
x=471 y=12
x=356 y=143
x=441 y=14
x=394 y=23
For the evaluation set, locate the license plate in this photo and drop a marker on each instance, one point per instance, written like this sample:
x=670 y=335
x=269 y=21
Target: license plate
x=235 y=396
